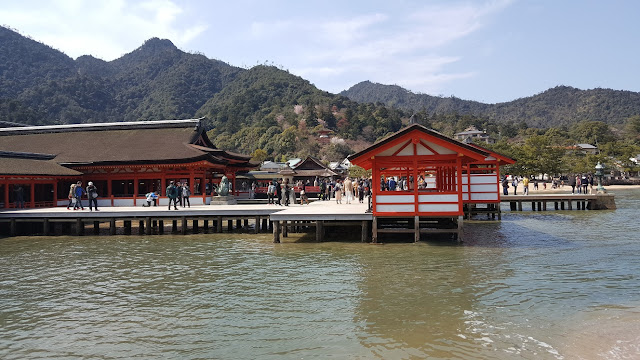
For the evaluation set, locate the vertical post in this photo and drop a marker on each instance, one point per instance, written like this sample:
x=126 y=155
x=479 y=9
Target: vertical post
x=285 y=229
x=219 y=224
x=45 y=227
x=79 y=226
x=195 y=226
x=374 y=229
x=112 y=226
x=265 y=224
x=32 y=193
x=96 y=227
x=127 y=227
x=135 y=189
x=569 y=205
x=229 y=225
x=319 y=230
x=238 y=224
x=257 y=229
x=519 y=205
x=148 y=220
x=276 y=231
x=141 y=227
x=161 y=227
x=365 y=234
x=416 y=228
x=205 y=225
x=533 y=206
x=6 y=196
x=13 y=227
x=184 y=225
x=55 y=194
x=174 y=226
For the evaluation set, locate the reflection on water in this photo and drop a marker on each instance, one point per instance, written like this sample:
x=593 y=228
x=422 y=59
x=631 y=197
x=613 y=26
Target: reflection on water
x=555 y=285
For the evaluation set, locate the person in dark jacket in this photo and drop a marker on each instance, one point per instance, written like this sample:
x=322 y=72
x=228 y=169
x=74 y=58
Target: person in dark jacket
x=172 y=194
x=79 y=191
x=92 y=194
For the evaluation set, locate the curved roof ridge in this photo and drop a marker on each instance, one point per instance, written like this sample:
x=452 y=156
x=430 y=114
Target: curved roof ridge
x=143 y=124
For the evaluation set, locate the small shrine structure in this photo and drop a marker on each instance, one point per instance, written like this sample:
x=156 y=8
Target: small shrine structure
x=434 y=177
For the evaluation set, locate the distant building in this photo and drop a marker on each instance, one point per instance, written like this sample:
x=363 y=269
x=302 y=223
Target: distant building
x=472 y=134
x=584 y=149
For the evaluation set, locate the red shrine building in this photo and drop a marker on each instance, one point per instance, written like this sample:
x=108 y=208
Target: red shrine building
x=124 y=161
x=434 y=179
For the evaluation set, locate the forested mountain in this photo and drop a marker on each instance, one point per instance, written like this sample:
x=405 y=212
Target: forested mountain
x=559 y=106
x=270 y=113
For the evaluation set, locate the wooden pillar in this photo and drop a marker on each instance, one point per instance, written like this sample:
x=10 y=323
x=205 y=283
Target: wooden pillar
x=319 y=230
x=55 y=194
x=533 y=206
x=365 y=225
x=45 y=227
x=79 y=226
x=184 y=225
x=285 y=229
x=96 y=227
x=555 y=205
x=519 y=205
x=257 y=229
x=135 y=190
x=112 y=226
x=229 y=225
x=246 y=222
x=374 y=230
x=32 y=193
x=127 y=227
x=544 y=205
x=219 y=224
x=416 y=229
x=13 y=230
x=174 y=226
x=276 y=231
x=141 y=227
x=161 y=227
x=265 y=224
x=569 y=205
x=195 y=226
x=6 y=195
x=205 y=225
x=149 y=227
x=238 y=224
x=562 y=205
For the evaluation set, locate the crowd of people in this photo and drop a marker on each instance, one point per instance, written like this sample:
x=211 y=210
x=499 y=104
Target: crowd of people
x=580 y=184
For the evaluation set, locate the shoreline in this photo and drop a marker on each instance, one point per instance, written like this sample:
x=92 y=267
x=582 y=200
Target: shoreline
x=566 y=189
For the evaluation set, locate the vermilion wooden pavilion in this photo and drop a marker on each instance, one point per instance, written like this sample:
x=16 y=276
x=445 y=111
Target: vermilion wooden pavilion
x=442 y=175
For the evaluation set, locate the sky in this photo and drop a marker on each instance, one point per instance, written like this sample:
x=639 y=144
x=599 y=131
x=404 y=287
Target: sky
x=482 y=50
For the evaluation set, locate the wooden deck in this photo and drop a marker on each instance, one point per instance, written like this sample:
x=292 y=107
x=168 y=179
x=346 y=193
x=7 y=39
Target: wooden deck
x=280 y=220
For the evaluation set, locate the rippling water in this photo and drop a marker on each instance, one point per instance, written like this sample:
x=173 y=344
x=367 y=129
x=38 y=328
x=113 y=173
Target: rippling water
x=554 y=285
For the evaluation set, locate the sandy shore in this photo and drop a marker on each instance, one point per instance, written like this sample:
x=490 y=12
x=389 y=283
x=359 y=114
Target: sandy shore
x=566 y=189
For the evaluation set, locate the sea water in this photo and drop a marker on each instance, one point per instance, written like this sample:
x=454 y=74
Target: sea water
x=536 y=285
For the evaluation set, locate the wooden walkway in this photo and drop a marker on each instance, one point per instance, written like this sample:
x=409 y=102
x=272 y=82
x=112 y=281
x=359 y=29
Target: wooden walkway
x=318 y=216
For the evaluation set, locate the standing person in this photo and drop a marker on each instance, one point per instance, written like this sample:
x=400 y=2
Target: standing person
x=323 y=187
x=514 y=183
x=303 y=194
x=338 y=191
x=172 y=194
x=585 y=184
x=591 y=183
x=572 y=183
x=179 y=190
x=278 y=192
x=348 y=190
x=92 y=194
x=72 y=194
x=271 y=189
x=185 y=195
x=578 y=184
x=285 y=192
x=505 y=186
x=19 y=190
x=525 y=185
x=79 y=191
x=361 y=191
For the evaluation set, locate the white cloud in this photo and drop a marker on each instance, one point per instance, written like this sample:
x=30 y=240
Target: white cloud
x=106 y=29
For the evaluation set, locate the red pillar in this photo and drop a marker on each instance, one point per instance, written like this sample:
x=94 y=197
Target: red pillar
x=32 y=188
x=55 y=193
x=6 y=195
